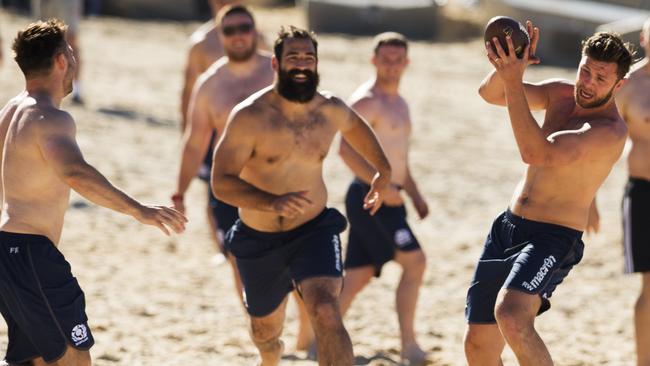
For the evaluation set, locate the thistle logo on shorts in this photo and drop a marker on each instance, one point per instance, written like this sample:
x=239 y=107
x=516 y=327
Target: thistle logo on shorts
x=337 y=251
x=79 y=334
x=403 y=237
x=539 y=277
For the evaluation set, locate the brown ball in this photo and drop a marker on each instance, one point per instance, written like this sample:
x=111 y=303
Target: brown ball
x=502 y=26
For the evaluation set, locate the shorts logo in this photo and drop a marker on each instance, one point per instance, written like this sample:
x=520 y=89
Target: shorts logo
x=337 y=251
x=539 y=277
x=403 y=237
x=79 y=334
x=13 y=250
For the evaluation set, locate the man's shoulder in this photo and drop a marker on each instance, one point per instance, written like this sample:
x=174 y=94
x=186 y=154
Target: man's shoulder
x=203 y=32
x=211 y=77
x=255 y=105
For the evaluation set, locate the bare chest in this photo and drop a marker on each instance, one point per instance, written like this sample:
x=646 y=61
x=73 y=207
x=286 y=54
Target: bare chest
x=301 y=141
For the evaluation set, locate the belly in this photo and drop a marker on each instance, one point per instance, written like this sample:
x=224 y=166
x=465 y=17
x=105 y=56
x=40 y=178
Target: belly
x=638 y=160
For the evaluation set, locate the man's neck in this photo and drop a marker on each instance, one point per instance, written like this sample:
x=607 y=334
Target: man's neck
x=390 y=89
x=242 y=68
x=44 y=90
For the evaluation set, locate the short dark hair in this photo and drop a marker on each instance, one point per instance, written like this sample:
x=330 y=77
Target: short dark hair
x=609 y=47
x=34 y=47
x=229 y=10
x=292 y=33
x=390 y=39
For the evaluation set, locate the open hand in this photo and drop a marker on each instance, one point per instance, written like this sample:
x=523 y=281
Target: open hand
x=291 y=204
x=162 y=217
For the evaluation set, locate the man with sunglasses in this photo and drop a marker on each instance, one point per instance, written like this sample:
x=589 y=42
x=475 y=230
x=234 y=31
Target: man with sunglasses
x=227 y=82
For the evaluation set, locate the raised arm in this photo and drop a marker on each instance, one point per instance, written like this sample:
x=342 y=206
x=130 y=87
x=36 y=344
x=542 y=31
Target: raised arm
x=233 y=151
x=492 y=88
x=196 y=142
x=59 y=148
x=560 y=148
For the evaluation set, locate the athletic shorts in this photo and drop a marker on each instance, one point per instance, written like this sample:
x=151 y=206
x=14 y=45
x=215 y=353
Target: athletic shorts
x=272 y=263
x=40 y=300
x=528 y=256
x=225 y=215
x=373 y=240
x=636 y=231
x=69 y=11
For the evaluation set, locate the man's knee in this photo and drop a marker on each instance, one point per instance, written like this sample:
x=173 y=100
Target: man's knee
x=324 y=310
x=263 y=332
x=414 y=261
x=512 y=318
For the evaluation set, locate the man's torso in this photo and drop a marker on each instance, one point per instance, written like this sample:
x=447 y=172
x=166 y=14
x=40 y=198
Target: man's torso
x=35 y=198
x=288 y=156
x=637 y=116
x=563 y=194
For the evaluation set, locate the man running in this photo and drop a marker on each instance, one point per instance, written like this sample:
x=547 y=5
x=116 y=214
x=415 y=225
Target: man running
x=634 y=104
x=375 y=240
x=41 y=301
x=534 y=244
x=269 y=164
x=227 y=82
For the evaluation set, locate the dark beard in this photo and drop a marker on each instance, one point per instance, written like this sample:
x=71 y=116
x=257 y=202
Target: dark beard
x=596 y=103
x=294 y=91
x=244 y=55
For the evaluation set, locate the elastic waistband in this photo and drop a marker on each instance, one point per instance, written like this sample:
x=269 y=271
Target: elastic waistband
x=21 y=237
x=538 y=225
x=304 y=228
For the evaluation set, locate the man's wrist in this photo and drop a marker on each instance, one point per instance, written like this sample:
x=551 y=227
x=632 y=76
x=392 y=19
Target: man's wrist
x=178 y=197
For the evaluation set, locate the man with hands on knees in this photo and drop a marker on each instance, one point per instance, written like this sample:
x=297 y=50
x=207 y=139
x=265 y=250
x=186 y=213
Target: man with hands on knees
x=533 y=245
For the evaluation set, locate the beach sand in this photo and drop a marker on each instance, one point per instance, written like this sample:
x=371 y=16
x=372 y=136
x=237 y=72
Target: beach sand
x=156 y=300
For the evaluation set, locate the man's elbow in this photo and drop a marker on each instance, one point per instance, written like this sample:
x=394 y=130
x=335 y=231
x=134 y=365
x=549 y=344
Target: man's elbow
x=490 y=97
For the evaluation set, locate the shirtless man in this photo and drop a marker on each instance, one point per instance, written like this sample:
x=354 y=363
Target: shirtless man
x=634 y=104
x=227 y=82
x=375 y=240
x=269 y=164
x=205 y=50
x=534 y=244
x=69 y=11
x=40 y=300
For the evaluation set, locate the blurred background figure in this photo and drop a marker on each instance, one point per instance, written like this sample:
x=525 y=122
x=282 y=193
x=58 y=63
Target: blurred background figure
x=69 y=11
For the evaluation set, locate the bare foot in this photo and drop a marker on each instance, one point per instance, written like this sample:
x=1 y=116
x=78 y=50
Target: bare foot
x=273 y=358
x=413 y=355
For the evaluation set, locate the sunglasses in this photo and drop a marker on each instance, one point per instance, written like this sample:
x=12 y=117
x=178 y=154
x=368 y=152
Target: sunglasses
x=231 y=30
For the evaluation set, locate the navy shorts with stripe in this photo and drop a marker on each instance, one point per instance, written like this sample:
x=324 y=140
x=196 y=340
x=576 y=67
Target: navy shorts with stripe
x=373 y=240
x=271 y=263
x=40 y=300
x=529 y=256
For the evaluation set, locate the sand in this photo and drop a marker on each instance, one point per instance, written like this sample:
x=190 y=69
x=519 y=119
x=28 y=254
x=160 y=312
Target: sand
x=154 y=300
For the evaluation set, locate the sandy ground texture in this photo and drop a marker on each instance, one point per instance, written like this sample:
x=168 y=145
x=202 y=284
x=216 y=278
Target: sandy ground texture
x=154 y=300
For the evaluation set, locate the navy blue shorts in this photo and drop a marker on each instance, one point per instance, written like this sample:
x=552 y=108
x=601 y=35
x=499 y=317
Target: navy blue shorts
x=40 y=300
x=636 y=231
x=373 y=240
x=270 y=264
x=528 y=256
x=206 y=166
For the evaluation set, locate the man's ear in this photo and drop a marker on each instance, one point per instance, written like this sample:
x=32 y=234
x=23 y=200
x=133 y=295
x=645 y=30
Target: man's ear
x=274 y=63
